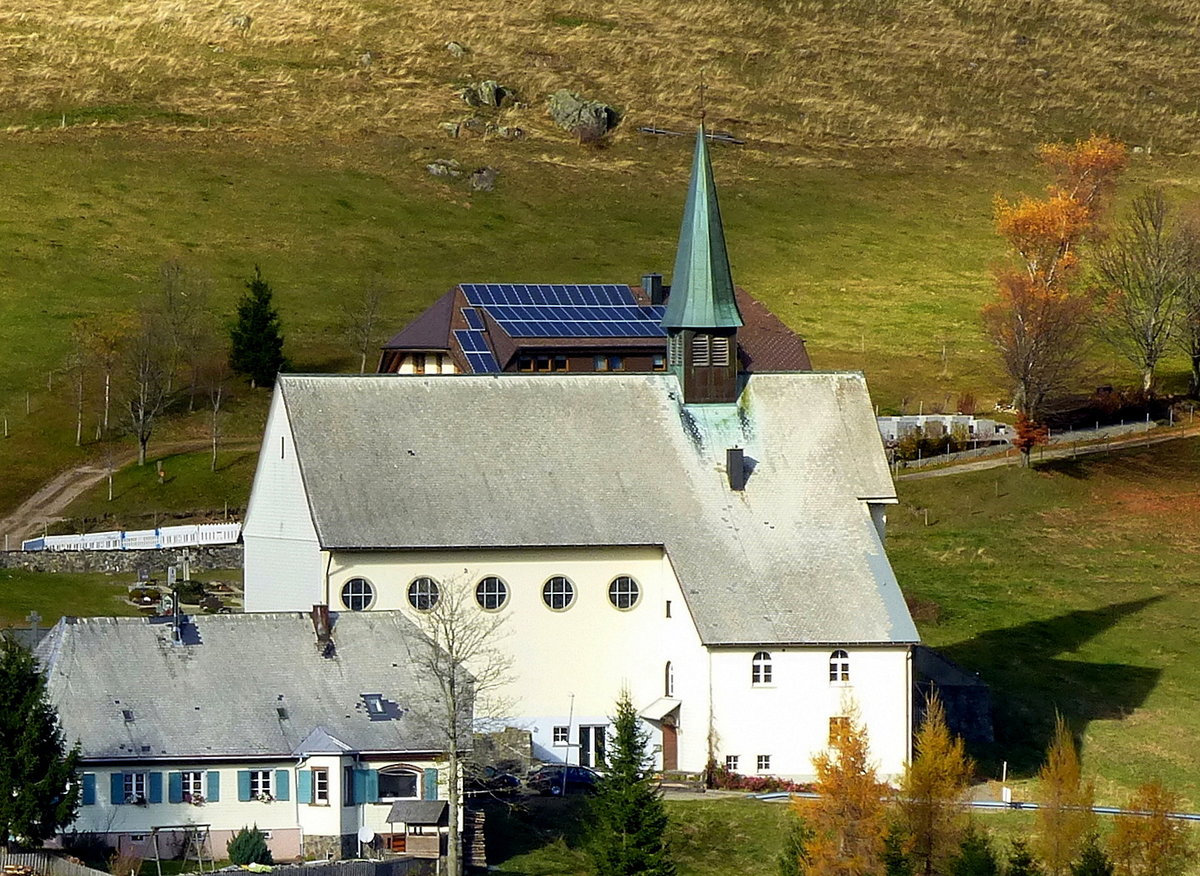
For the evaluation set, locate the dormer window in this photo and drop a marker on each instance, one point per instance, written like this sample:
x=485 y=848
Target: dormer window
x=127 y=714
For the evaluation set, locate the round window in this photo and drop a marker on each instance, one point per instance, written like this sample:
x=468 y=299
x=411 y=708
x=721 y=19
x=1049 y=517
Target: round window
x=558 y=593
x=623 y=592
x=358 y=594
x=423 y=594
x=491 y=593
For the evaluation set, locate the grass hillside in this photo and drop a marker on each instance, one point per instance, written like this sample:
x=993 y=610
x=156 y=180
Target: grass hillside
x=859 y=208
x=1069 y=587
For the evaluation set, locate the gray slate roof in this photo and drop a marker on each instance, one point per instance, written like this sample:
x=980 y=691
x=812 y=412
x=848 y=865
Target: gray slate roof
x=219 y=698
x=394 y=462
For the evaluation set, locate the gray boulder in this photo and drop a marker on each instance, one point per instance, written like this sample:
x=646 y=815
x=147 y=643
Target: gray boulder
x=589 y=120
x=456 y=49
x=484 y=179
x=444 y=167
x=489 y=92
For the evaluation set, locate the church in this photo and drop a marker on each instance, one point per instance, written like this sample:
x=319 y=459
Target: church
x=708 y=537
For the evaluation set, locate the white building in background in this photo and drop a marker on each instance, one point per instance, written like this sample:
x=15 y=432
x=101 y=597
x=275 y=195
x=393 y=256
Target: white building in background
x=709 y=540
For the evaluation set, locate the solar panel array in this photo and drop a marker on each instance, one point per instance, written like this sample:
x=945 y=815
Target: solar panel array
x=475 y=348
x=566 y=311
x=474 y=320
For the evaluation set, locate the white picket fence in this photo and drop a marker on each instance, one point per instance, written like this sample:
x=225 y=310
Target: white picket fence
x=44 y=864
x=139 y=539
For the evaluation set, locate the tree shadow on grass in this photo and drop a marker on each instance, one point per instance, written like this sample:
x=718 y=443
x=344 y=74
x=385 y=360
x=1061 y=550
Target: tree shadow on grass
x=1030 y=684
x=532 y=824
x=1072 y=468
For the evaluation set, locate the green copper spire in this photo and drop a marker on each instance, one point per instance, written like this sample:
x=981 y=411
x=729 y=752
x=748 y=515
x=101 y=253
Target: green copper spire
x=702 y=286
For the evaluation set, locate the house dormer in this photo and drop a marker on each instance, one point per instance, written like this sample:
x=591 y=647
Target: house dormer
x=702 y=316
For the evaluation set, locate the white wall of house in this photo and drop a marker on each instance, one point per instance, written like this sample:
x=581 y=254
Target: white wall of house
x=426 y=363
x=283 y=558
x=569 y=666
x=800 y=699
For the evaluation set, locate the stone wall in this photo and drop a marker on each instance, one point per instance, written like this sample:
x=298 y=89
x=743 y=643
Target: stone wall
x=226 y=556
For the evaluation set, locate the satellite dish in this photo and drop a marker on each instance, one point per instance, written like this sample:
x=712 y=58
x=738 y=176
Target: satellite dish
x=365 y=834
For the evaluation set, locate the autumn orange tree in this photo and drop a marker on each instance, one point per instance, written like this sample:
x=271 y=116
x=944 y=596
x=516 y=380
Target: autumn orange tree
x=932 y=792
x=1150 y=844
x=1064 y=817
x=847 y=819
x=1039 y=321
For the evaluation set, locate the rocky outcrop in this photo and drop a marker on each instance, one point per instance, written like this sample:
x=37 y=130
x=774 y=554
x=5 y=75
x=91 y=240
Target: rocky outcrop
x=589 y=120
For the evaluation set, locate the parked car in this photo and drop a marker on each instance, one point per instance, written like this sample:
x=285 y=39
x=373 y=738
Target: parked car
x=491 y=780
x=549 y=779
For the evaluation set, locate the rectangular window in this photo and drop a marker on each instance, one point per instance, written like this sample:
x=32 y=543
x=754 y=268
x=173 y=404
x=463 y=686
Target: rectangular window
x=260 y=785
x=135 y=787
x=616 y=363
x=562 y=735
x=192 y=784
x=720 y=351
x=658 y=362
x=398 y=786
x=731 y=763
x=559 y=363
x=838 y=727
x=525 y=363
x=668 y=608
x=418 y=363
x=348 y=786
x=601 y=363
x=764 y=762
x=320 y=786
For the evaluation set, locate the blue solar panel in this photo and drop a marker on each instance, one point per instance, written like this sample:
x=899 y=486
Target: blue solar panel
x=473 y=318
x=565 y=311
x=483 y=363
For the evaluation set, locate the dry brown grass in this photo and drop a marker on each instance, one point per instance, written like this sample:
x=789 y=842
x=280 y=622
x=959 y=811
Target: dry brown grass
x=971 y=74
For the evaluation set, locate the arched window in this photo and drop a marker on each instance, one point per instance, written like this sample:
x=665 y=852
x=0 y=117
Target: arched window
x=558 y=593
x=760 y=668
x=839 y=667
x=669 y=680
x=358 y=594
x=423 y=593
x=399 y=782
x=491 y=593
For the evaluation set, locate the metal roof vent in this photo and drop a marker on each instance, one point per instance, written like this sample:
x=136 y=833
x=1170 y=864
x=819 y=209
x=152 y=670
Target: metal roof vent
x=735 y=465
x=127 y=714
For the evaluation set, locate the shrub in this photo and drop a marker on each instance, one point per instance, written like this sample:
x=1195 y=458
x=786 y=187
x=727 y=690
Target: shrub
x=720 y=778
x=249 y=846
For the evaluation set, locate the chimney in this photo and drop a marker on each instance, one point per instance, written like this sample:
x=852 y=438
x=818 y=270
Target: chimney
x=652 y=285
x=735 y=465
x=321 y=625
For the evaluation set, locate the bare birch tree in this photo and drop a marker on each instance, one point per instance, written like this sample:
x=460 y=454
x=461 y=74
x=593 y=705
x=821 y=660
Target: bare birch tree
x=1187 y=335
x=360 y=318
x=1141 y=280
x=183 y=306
x=470 y=669
x=102 y=340
x=147 y=381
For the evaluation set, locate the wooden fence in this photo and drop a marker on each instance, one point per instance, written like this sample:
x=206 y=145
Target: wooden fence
x=46 y=864
x=394 y=867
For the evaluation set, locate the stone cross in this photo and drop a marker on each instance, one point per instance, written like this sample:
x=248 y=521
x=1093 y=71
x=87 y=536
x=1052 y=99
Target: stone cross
x=33 y=619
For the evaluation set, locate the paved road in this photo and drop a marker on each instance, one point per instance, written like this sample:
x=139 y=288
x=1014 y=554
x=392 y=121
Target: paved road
x=47 y=504
x=1057 y=451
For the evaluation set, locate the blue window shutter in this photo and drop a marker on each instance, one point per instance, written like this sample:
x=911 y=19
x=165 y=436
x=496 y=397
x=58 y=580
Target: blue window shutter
x=360 y=786
x=155 y=795
x=304 y=786
x=117 y=787
x=430 y=788
x=174 y=787
x=372 y=786
x=213 y=786
x=243 y=785
x=283 y=790
x=88 y=794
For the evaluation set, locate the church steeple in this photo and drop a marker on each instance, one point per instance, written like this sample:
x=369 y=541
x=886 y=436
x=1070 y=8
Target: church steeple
x=702 y=316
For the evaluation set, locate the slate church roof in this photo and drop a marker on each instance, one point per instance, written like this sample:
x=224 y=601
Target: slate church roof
x=469 y=461
x=248 y=685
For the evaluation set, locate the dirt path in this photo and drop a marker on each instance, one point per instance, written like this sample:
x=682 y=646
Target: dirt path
x=47 y=504
x=1060 y=451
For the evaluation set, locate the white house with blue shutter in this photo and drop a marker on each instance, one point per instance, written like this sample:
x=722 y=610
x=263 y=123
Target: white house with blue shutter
x=309 y=726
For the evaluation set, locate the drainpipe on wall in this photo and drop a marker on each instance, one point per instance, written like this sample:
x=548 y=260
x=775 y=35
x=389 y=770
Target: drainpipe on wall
x=296 y=797
x=908 y=672
x=328 y=564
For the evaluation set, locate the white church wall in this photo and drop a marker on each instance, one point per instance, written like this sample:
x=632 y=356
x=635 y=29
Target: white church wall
x=282 y=556
x=787 y=718
x=569 y=666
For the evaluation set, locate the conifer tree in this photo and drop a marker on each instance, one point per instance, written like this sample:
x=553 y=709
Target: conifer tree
x=896 y=860
x=256 y=338
x=932 y=790
x=1092 y=860
x=793 y=859
x=1021 y=861
x=848 y=816
x=628 y=818
x=975 y=856
x=1065 y=816
x=38 y=792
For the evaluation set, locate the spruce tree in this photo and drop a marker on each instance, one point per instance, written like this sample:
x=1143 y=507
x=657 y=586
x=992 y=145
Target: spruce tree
x=256 y=338
x=1092 y=860
x=975 y=856
x=1021 y=861
x=38 y=791
x=627 y=814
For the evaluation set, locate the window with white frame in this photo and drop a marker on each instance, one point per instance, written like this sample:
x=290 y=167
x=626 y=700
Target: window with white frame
x=135 y=787
x=561 y=735
x=423 y=593
x=320 y=786
x=358 y=594
x=558 y=593
x=260 y=785
x=731 y=763
x=839 y=667
x=192 y=785
x=669 y=680
x=623 y=592
x=760 y=668
x=764 y=763
x=491 y=593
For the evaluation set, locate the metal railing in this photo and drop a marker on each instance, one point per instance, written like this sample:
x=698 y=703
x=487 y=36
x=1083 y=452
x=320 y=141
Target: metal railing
x=191 y=535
